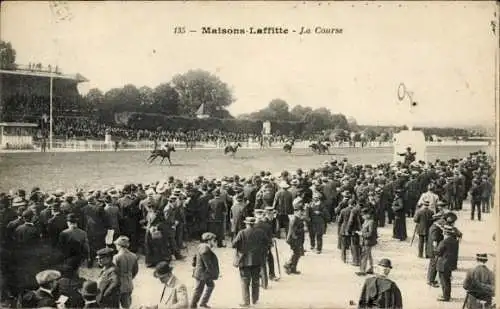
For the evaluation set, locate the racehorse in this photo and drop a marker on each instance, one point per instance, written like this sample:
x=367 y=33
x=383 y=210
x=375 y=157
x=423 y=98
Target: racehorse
x=288 y=146
x=231 y=149
x=320 y=148
x=155 y=153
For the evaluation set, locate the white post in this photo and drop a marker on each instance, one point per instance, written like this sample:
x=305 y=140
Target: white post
x=51 y=119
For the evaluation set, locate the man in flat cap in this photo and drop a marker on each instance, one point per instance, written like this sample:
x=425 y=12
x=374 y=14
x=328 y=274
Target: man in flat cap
x=108 y=281
x=127 y=268
x=206 y=270
x=480 y=284
x=446 y=252
x=47 y=282
x=295 y=237
x=379 y=291
x=250 y=245
x=476 y=192
x=318 y=216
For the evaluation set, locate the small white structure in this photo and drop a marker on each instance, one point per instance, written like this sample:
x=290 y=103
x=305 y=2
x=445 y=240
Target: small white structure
x=413 y=139
x=266 y=127
x=16 y=134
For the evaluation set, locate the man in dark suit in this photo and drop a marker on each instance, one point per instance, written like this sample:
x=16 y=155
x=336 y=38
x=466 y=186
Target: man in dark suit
x=73 y=242
x=283 y=206
x=295 y=237
x=263 y=224
x=368 y=234
x=238 y=214
x=480 y=284
x=354 y=224
x=206 y=270
x=95 y=226
x=250 y=244
x=47 y=281
x=446 y=251
x=216 y=219
x=341 y=205
x=423 y=219
x=131 y=216
x=343 y=231
x=57 y=223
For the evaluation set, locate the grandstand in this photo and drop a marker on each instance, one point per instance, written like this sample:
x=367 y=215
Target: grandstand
x=25 y=95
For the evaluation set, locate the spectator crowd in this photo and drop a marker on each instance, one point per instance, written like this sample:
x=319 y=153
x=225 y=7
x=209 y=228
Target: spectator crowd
x=47 y=237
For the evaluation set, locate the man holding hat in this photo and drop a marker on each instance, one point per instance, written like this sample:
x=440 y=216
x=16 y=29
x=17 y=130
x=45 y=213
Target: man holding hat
x=89 y=293
x=47 y=282
x=446 y=252
x=127 y=268
x=174 y=293
x=480 y=284
x=379 y=291
x=108 y=281
x=251 y=245
x=206 y=270
x=295 y=237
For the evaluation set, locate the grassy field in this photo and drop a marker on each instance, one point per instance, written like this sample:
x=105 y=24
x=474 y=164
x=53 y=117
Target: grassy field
x=66 y=171
x=325 y=281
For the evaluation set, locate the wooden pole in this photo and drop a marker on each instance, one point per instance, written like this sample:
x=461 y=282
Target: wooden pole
x=51 y=119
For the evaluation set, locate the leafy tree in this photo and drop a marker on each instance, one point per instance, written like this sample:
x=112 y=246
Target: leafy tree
x=146 y=97
x=166 y=100
x=299 y=112
x=198 y=87
x=279 y=109
x=7 y=56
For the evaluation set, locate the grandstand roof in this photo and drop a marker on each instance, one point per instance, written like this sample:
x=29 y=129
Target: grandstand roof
x=33 y=73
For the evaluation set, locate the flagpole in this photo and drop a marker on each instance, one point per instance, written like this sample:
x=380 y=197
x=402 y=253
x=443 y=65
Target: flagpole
x=51 y=119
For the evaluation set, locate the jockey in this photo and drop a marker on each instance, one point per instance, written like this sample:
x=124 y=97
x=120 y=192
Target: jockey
x=165 y=147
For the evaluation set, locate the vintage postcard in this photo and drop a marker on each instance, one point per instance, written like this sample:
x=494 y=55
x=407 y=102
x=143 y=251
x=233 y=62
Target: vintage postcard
x=211 y=154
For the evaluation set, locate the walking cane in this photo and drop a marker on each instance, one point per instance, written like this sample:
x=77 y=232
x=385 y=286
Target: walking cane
x=277 y=257
x=465 y=300
x=414 y=232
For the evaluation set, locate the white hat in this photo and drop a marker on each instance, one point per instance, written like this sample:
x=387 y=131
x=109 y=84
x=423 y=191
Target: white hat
x=284 y=185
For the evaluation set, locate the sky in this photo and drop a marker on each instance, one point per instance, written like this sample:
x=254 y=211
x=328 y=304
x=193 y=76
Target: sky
x=444 y=52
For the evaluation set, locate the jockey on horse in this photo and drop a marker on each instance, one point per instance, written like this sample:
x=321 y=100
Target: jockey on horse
x=163 y=152
x=288 y=145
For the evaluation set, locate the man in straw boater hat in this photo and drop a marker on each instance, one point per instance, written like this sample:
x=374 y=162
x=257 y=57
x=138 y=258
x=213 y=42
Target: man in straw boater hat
x=206 y=270
x=446 y=252
x=251 y=245
x=480 y=284
x=127 y=268
x=47 y=282
x=379 y=291
x=174 y=293
x=295 y=237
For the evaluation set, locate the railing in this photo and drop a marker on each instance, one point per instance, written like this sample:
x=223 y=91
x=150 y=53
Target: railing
x=93 y=145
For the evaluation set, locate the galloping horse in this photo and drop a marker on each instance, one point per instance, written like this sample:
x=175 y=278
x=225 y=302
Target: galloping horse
x=155 y=153
x=288 y=146
x=320 y=148
x=231 y=149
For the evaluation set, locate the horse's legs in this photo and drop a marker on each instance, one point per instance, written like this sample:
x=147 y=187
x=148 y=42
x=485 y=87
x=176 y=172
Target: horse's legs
x=169 y=160
x=162 y=160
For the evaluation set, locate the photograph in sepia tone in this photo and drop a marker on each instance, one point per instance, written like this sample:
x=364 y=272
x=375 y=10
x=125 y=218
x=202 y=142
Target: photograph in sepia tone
x=248 y=154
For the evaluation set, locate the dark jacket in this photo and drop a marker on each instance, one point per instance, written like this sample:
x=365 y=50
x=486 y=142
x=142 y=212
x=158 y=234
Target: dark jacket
x=45 y=299
x=447 y=252
x=251 y=245
x=343 y=221
x=109 y=288
x=423 y=219
x=295 y=236
x=380 y=292
x=205 y=263
x=217 y=209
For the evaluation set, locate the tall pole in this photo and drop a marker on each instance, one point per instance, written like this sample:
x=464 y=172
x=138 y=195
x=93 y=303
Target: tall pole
x=51 y=119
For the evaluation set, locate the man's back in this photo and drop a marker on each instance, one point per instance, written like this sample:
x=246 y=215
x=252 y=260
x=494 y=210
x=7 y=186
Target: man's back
x=251 y=244
x=127 y=268
x=380 y=292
